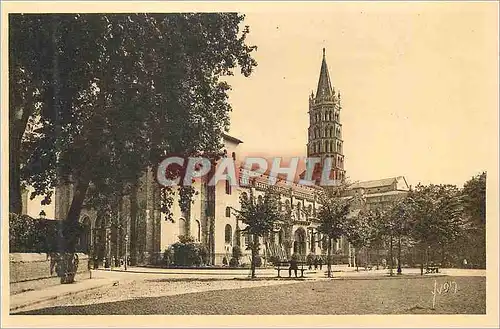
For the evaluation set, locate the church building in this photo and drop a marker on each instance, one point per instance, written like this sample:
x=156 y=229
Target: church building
x=138 y=227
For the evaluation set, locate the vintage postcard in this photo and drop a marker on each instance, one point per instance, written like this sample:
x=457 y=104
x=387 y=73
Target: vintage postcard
x=315 y=164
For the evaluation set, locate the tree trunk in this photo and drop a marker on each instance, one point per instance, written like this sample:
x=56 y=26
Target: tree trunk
x=399 y=256
x=356 y=252
x=392 y=259
x=378 y=257
x=71 y=235
x=254 y=254
x=18 y=121
x=329 y=257
x=15 y=200
x=366 y=259
x=422 y=261
x=134 y=213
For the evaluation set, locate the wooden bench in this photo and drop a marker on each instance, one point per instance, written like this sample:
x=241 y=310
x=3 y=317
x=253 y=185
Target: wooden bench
x=280 y=266
x=433 y=268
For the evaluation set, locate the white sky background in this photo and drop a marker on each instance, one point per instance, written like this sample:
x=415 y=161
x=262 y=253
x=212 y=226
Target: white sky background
x=419 y=85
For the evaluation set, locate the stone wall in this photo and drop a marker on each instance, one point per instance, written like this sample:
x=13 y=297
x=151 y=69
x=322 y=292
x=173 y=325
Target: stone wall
x=30 y=271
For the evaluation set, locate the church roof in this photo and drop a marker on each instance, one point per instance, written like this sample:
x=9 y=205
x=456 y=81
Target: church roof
x=324 y=85
x=376 y=183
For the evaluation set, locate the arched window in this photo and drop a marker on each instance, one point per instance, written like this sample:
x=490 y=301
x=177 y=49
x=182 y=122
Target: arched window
x=327 y=144
x=228 y=186
x=182 y=226
x=233 y=155
x=228 y=234
x=326 y=116
x=326 y=132
x=331 y=131
x=228 y=211
x=198 y=230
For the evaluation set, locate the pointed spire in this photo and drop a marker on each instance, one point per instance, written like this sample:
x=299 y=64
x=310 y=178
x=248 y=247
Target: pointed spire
x=324 y=84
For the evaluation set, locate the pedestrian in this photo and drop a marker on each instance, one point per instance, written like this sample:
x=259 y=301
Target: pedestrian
x=316 y=262
x=320 y=261
x=293 y=266
x=465 y=263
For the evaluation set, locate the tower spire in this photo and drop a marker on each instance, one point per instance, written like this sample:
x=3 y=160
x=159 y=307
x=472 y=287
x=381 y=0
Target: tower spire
x=324 y=85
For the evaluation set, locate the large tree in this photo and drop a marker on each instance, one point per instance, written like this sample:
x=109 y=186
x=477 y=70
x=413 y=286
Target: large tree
x=472 y=245
x=114 y=94
x=260 y=215
x=437 y=219
x=362 y=230
x=396 y=225
x=332 y=215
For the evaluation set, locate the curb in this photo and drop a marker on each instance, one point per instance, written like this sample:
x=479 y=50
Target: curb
x=19 y=307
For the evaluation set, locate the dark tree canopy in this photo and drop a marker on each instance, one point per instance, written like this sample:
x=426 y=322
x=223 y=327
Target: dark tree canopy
x=98 y=98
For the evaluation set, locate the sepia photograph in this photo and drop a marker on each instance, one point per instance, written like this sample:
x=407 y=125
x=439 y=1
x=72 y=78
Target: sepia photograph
x=250 y=159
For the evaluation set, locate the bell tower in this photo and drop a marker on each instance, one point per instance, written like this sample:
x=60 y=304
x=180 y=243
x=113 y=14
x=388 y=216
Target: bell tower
x=325 y=129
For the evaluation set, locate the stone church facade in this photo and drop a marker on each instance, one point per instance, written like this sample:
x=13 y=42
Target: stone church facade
x=137 y=227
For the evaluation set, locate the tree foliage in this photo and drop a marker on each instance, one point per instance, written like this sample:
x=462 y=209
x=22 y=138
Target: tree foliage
x=98 y=98
x=333 y=212
x=474 y=199
x=333 y=216
x=437 y=214
x=260 y=216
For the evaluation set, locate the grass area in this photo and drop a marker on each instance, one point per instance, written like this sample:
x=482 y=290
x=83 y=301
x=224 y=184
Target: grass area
x=367 y=296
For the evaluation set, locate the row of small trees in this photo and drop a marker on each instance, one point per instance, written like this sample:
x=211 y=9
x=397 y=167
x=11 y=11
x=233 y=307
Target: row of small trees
x=444 y=218
x=448 y=221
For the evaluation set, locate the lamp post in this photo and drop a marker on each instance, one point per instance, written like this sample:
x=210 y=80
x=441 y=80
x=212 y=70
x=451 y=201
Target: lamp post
x=108 y=242
x=126 y=250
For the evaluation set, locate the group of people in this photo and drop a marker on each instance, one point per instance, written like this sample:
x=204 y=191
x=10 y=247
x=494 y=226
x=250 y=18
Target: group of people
x=317 y=261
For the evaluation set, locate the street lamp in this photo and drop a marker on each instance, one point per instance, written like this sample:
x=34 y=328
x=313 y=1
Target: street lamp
x=126 y=251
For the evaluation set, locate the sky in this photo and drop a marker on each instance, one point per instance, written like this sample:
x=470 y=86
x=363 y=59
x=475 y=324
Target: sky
x=419 y=86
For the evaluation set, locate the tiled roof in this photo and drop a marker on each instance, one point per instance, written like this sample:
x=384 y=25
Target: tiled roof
x=374 y=183
x=389 y=193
